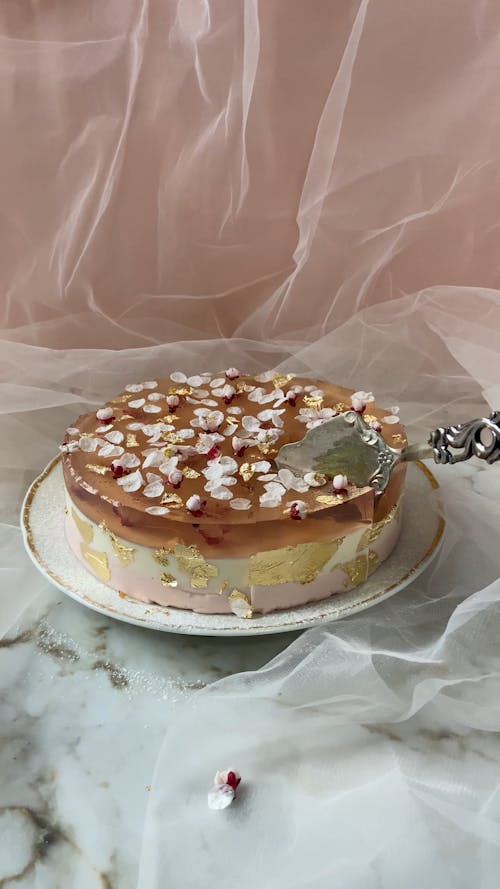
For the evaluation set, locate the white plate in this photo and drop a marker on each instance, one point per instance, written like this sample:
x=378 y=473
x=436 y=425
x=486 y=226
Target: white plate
x=43 y=532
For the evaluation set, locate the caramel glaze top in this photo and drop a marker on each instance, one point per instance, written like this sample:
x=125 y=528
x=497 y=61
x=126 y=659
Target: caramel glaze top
x=218 y=530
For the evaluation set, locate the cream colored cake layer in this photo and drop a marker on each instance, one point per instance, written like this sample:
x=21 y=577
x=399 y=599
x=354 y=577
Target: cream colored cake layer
x=271 y=579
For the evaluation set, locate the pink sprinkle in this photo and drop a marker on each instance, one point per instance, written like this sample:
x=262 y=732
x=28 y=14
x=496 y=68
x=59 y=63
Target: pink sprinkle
x=213 y=452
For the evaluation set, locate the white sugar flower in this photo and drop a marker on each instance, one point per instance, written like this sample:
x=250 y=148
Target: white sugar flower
x=168 y=466
x=173 y=401
x=339 y=483
x=131 y=482
x=156 y=396
x=175 y=478
x=69 y=447
x=360 y=399
x=392 y=417
x=88 y=444
x=298 y=509
x=234 y=410
x=240 y=503
x=157 y=510
x=154 y=487
x=110 y=450
x=206 y=441
x=232 y=373
x=289 y=397
x=272 y=416
x=115 y=437
x=152 y=408
x=153 y=457
x=315 y=479
x=251 y=424
x=179 y=377
x=103 y=429
x=136 y=403
x=226 y=392
x=150 y=384
x=313 y=417
x=217 y=382
x=266 y=376
x=105 y=413
x=220 y=493
x=127 y=461
x=134 y=387
x=268 y=436
x=194 y=504
x=209 y=402
x=262 y=397
x=207 y=420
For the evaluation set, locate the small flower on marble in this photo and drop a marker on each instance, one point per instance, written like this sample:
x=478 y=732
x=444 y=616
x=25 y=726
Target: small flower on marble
x=339 y=483
x=298 y=510
x=224 y=788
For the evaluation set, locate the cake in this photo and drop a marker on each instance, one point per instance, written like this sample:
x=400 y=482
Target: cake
x=173 y=496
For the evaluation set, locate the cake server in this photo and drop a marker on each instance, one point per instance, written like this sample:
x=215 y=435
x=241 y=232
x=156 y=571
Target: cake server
x=347 y=445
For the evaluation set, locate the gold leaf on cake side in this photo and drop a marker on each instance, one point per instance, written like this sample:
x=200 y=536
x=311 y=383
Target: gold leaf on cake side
x=126 y=554
x=190 y=560
x=85 y=528
x=98 y=561
x=359 y=568
x=168 y=579
x=240 y=605
x=374 y=531
x=162 y=556
x=292 y=564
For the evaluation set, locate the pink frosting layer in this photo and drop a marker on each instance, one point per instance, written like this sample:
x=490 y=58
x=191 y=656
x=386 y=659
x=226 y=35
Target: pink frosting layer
x=126 y=579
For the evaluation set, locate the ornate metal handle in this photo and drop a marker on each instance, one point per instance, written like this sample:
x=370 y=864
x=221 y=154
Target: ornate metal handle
x=477 y=438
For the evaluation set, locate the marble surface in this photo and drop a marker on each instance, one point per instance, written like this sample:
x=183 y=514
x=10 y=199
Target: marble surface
x=84 y=705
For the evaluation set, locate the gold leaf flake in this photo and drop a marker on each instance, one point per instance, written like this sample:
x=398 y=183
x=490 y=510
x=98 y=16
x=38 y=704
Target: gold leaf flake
x=180 y=390
x=190 y=560
x=280 y=380
x=99 y=470
x=172 y=500
x=359 y=568
x=246 y=471
x=266 y=447
x=398 y=438
x=223 y=587
x=168 y=579
x=121 y=398
x=370 y=418
x=169 y=452
x=240 y=387
x=330 y=499
x=126 y=554
x=240 y=604
x=188 y=472
x=171 y=437
x=292 y=564
x=162 y=556
x=98 y=561
x=85 y=528
x=341 y=407
x=314 y=402
x=131 y=441
x=374 y=531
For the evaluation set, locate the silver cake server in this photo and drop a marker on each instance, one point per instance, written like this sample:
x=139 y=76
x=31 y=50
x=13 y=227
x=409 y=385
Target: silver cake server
x=347 y=445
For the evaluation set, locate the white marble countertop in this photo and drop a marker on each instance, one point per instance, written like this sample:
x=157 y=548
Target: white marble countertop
x=84 y=704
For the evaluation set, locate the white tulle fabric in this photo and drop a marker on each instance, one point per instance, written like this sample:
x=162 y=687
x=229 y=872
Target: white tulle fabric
x=193 y=185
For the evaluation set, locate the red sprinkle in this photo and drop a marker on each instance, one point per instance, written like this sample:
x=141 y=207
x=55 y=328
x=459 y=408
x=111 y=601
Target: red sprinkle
x=233 y=780
x=228 y=398
x=294 y=512
x=292 y=399
x=213 y=452
x=118 y=470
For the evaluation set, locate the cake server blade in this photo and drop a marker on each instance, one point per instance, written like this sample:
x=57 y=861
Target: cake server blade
x=347 y=445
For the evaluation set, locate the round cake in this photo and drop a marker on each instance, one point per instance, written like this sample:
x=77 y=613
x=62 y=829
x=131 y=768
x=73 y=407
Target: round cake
x=173 y=495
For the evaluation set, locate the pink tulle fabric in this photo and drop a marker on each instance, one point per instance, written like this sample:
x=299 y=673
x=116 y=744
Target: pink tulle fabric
x=312 y=186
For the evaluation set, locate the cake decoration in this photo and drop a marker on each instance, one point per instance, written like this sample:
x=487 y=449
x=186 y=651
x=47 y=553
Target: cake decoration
x=187 y=464
x=224 y=788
